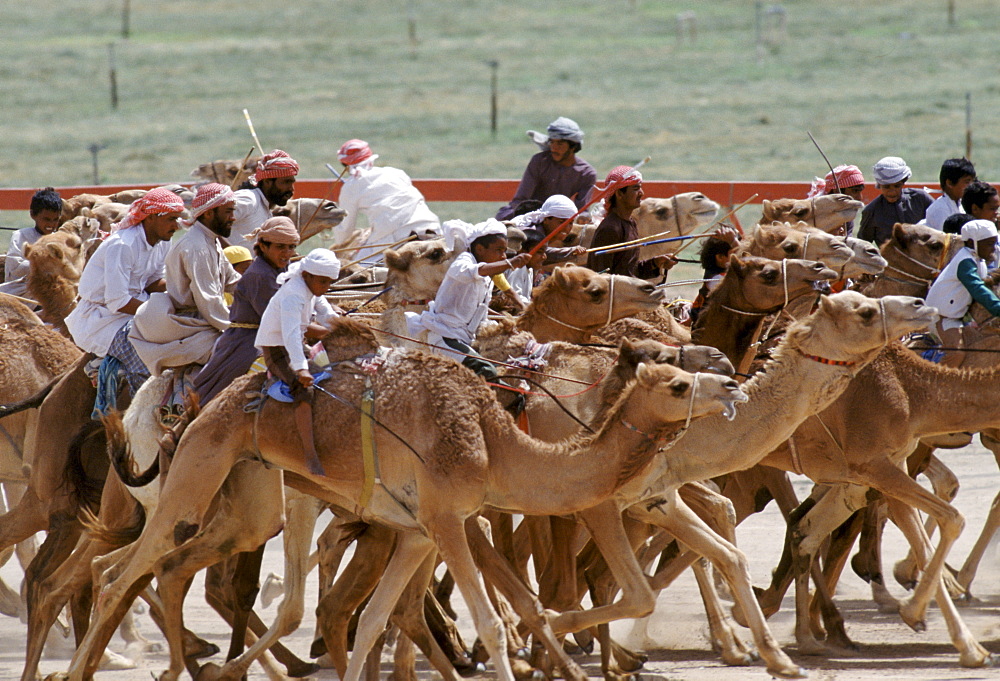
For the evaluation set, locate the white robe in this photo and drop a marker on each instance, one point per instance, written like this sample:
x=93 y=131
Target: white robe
x=390 y=202
x=287 y=315
x=180 y=327
x=16 y=266
x=460 y=306
x=252 y=211
x=122 y=267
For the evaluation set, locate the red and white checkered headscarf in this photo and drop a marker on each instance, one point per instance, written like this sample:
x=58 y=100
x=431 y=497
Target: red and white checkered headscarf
x=356 y=155
x=156 y=202
x=619 y=178
x=209 y=196
x=847 y=176
x=275 y=164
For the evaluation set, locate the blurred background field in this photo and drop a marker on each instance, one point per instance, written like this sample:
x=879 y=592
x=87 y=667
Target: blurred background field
x=868 y=79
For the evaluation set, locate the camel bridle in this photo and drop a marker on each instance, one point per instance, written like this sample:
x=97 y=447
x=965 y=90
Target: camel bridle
x=611 y=307
x=663 y=440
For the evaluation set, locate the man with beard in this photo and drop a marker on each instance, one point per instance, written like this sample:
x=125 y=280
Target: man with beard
x=180 y=326
x=274 y=182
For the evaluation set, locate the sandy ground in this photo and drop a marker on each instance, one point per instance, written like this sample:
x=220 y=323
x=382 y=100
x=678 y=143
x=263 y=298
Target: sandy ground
x=677 y=632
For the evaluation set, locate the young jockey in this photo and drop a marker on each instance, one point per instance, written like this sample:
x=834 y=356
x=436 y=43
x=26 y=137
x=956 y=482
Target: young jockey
x=462 y=300
x=287 y=320
x=960 y=283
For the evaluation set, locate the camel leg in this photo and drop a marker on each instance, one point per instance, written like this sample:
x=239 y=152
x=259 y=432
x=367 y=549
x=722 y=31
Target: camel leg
x=724 y=639
x=906 y=495
x=502 y=575
x=371 y=556
x=245 y=586
x=411 y=550
x=834 y=562
x=971 y=565
x=28 y=517
x=449 y=535
x=693 y=532
x=971 y=653
x=300 y=521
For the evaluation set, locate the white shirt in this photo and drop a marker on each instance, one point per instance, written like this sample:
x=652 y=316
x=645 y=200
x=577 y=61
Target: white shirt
x=943 y=207
x=252 y=211
x=122 y=267
x=461 y=303
x=288 y=314
x=947 y=293
x=522 y=280
x=16 y=265
x=390 y=202
x=198 y=274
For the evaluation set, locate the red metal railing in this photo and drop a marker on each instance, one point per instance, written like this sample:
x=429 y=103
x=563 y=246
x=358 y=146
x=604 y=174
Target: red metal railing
x=492 y=191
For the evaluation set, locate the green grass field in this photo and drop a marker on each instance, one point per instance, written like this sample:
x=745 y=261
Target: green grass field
x=867 y=79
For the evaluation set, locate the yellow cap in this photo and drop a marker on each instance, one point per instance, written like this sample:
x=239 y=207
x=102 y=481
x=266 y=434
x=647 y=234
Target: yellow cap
x=237 y=254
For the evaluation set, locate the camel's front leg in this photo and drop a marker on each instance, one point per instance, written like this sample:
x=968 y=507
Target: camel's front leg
x=692 y=531
x=971 y=565
x=411 y=550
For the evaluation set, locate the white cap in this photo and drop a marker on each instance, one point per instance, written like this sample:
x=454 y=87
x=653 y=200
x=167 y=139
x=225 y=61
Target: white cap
x=979 y=230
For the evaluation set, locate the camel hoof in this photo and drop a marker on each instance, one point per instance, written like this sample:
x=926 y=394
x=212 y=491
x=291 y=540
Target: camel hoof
x=300 y=671
x=57 y=676
x=274 y=587
x=792 y=672
x=480 y=667
x=208 y=672
x=812 y=648
x=585 y=640
x=204 y=649
x=978 y=658
x=571 y=648
x=112 y=661
x=318 y=648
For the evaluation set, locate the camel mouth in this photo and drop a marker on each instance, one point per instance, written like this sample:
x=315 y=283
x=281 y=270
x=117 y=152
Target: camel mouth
x=825 y=274
x=729 y=404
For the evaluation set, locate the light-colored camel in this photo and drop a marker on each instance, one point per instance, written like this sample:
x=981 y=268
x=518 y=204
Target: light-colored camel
x=311 y=216
x=224 y=171
x=797 y=240
x=857 y=449
x=416 y=270
x=478 y=479
x=74 y=205
x=575 y=302
x=57 y=261
x=678 y=215
x=827 y=212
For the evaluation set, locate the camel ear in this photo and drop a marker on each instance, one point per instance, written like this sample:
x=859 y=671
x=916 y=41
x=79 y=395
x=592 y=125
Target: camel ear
x=766 y=215
x=281 y=211
x=398 y=261
x=55 y=250
x=86 y=212
x=736 y=265
x=899 y=235
x=627 y=354
x=73 y=241
x=560 y=278
x=642 y=374
x=26 y=250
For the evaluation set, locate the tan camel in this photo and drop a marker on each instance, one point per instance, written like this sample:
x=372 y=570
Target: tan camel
x=478 y=479
x=797 y=240
x=224 y=171
x=575 y=302
x=415 y=272
x=678 y=215
x=859 y=449
x=915 y=255
x=311 y=216
x=57 y=261
x=827 y=212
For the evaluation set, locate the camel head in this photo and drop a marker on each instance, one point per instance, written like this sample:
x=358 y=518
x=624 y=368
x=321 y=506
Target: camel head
x=679 y=215
x=827 y=212
x=300 y=211
x=223 y=171
x=671 y=394
x=849 y=326
x=74 y=205
x=417 y=268
x=754 y=284
x=580 y=297
x=924 y=244
x=785 y=240
x=57 y=255
x=106 y=214
x=348 y=338
x=866 y=258
x=691 y=358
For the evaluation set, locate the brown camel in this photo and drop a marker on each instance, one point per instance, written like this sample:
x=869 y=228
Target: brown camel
x=311 y=216
x=915 y=255
x=399 y=507
x=863 y=449
x=57 y=261
x=827 y=212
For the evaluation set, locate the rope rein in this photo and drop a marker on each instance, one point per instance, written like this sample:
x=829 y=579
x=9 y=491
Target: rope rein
x=680 y=433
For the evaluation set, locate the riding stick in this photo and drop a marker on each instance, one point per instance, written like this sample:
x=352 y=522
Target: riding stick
x=625 y=247
x=829 y=165
x=239 y=171
x=718 y=220
x=246 y=115
x=401 y=241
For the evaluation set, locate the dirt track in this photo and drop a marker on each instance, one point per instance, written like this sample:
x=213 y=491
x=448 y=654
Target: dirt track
x=889 y=649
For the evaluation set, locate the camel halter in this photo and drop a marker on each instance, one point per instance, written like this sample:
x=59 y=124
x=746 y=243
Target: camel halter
x=611 y=307
x=677 y=214
x=784 y=277
x=805 y=246
x=680 y=433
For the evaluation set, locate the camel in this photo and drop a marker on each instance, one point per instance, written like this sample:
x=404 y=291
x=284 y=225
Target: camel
x=56 y=264
x=575 y=302
x=787 y=240
x=678 y=215
x=415 y=272
x=224 y=171
x=74 y=205
x=826 y=212
x=915 y=255
x=478 y=478
x=857 y=450
x=311 y=216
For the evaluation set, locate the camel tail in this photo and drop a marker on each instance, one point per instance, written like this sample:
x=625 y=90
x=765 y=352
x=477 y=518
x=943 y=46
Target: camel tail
x=32 y=402
x=121 y=456
x=129 y=530
x=84 y=474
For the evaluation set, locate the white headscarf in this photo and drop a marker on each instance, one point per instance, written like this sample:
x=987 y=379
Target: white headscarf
x=320 y=262
x=890 y=170
x=978 y=230
x=459 y=235
x=556 y=206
